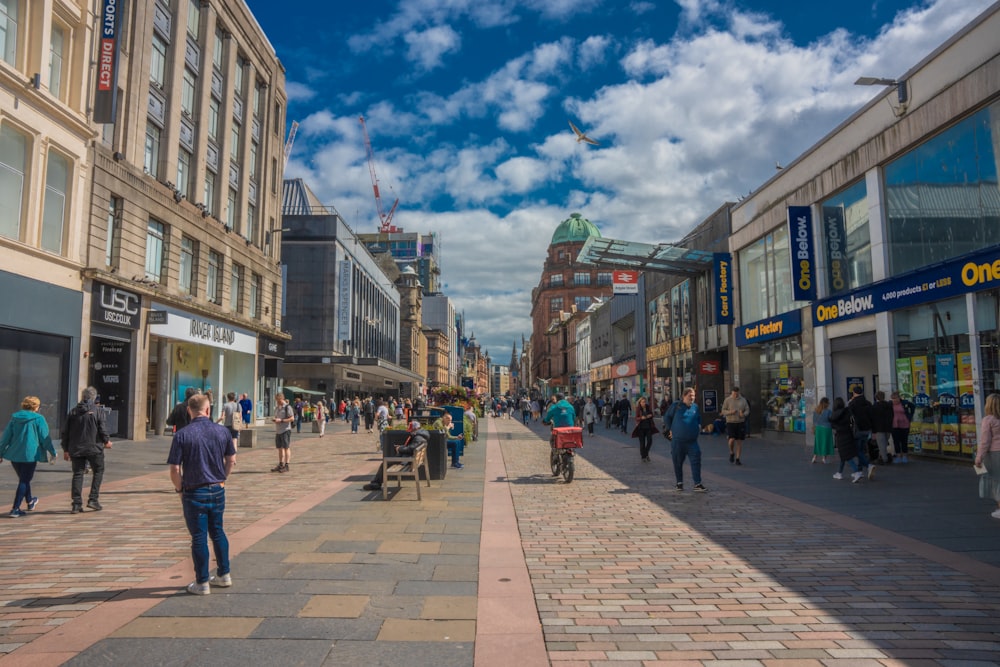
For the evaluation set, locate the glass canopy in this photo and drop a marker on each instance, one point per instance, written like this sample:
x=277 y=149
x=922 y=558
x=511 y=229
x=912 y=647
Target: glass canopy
x=662 y=258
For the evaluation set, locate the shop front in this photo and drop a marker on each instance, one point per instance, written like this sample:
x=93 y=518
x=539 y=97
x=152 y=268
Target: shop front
x=771 y=373
x=627 y=380
x=115 y=315
x=39 y=345
x=188 y=350
x=600 y=378
x=270 y=358
x=941 y=338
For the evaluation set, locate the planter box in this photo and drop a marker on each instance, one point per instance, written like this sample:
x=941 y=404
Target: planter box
x=248 y=438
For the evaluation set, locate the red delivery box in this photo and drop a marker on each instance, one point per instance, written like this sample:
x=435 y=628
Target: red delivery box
x=568 y=437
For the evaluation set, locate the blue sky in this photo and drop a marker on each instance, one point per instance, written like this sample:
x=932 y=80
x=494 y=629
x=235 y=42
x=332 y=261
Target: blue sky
x=467 y=103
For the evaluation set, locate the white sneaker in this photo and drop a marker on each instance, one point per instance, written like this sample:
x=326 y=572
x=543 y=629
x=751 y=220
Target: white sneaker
x=194 y=588
x=871 y=472
x=225 y=581
x=837 y=475
x=856 y=477
x=996 y=514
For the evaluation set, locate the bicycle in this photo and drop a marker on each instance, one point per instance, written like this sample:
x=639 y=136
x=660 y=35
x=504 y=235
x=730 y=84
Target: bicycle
x=563 y=441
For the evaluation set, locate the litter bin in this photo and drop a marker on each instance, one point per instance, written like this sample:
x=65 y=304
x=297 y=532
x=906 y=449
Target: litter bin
x=248 y=438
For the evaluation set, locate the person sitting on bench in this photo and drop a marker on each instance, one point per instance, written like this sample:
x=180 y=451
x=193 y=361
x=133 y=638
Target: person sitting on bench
x=417 y=437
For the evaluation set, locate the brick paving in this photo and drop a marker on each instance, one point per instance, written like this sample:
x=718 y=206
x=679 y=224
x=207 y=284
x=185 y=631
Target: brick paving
x=776 y=566
x=627 y=570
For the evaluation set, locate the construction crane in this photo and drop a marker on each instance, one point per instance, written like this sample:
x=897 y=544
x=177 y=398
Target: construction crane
x=290 y=141
x=384 y=218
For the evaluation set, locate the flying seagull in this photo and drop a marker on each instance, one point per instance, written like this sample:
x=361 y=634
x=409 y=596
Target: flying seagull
x=581 y=137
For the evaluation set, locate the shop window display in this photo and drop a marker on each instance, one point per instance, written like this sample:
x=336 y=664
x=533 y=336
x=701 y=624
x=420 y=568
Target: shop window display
x=934 y=372
x=782 y=403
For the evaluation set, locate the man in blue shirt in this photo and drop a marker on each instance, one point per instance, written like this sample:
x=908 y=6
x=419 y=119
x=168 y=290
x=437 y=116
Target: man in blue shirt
x=682 y=424
x=246 y=406
x=561 y=413
x=201 y=457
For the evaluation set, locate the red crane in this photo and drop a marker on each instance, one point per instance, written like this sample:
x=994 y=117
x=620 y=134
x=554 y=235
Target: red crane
x=384 y=218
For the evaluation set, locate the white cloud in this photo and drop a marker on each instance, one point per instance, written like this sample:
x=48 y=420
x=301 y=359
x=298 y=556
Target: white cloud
x=426 y=48
x=298 y=92
x=593 y=51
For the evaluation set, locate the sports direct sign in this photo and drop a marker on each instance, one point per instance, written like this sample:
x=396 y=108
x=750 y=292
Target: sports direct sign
x=625 y=282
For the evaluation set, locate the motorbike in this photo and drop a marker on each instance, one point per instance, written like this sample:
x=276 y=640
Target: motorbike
x=564 y=440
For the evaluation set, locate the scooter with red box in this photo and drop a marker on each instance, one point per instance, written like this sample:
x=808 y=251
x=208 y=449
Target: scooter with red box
x=564 y=440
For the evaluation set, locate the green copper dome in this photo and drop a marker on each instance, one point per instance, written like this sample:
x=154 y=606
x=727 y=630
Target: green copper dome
x=575 y=228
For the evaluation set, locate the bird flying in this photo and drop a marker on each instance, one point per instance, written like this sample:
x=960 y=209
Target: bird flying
x=581 y=137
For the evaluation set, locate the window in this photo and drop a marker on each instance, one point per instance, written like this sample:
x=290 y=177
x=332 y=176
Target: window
x=765 y=279
x=234 y=143
x=231 y=210
x=151 y=159
x=213 y=119
x=846 y=239
x=255 y=288
x=220 y=40
x=274 y=175
x=158 y=62
x=8 y=31
x=187 y=92
x=54 y=208
x=555 y=280
x=183 y=171
x=209 y=201
x=258 y=97
x=277 y=119
x=112 y=245
x=213 y=283
x=155 y=247
x=556 y=304
x=13 y=156
x=236 y=289
x=604 y=278
x=187 y=273
x=194 y=19
x=582 y=303
x=253 y=160
x=580 y=278
x=56 y=61
x=251 y=229
x=241 y=66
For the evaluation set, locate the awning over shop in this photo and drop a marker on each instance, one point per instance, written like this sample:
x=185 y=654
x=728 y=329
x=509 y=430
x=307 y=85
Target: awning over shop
x=661 y=258
x=290 y=392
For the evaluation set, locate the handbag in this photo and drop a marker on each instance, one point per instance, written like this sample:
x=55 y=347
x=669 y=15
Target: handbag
x=237 y=420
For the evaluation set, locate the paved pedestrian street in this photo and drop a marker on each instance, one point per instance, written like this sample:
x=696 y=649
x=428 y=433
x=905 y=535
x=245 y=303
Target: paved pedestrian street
x=501 y=563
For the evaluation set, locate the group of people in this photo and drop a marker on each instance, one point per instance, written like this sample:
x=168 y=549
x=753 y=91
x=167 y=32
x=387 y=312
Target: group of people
x=849 y=427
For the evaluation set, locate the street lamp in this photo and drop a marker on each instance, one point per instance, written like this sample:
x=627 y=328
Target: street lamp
x=902 y=94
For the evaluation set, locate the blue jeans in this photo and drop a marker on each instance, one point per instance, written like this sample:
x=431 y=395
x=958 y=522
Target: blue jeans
x=455 y=449
x=203 y=509
x=681 y=450
x=862 y=442
x=25 y=472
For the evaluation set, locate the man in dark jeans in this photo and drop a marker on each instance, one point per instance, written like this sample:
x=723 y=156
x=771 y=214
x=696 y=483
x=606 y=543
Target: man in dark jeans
x=862 y=411
x=417 y=437
x=84 y=439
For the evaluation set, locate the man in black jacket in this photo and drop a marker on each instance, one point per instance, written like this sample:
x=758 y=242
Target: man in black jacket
x=179 y=417
x=862 y=411
x=418 y=436
x=84 y=439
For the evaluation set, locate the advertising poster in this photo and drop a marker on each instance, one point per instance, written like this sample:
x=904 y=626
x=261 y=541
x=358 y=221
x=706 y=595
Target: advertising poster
x=800 y=231
x=921 y=381
x=853 y=382
x=929 y=437
x=675 y=311
x=685 y=307
x=709 y=401
x=783 y=376
x=659 y=319
x=963 y=366
x=944 y=373
x=904 y=377
x=967 y=435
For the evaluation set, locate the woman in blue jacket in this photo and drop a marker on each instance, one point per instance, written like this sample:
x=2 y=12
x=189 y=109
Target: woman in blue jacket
x=26 y=442
x=682 y=424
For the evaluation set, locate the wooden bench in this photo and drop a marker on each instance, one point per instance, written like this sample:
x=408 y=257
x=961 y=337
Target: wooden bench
x=405 y=466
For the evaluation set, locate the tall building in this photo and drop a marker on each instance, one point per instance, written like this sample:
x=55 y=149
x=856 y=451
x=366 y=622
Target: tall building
x=564 y=292
x=342 y=310
x=443 y=346
x=45 y=169
x=420 y=251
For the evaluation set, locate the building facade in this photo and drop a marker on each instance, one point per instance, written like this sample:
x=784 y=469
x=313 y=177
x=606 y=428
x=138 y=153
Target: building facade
x=565 y=291
x=45 y=169
x=439 y=316
x=870 y=261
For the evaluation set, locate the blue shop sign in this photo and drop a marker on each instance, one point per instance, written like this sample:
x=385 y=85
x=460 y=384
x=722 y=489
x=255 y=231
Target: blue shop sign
x=782 y=326
x=971 y=273
x=723 y=263
x=800 y=231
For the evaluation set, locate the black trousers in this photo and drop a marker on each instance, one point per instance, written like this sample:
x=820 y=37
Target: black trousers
x=96 y=462
x=645 y=443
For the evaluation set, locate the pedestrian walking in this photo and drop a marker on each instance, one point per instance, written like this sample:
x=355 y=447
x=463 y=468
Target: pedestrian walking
x=201 y=458
x=246 y=407
x=297 y=409
x=861 y=409
x=355 y=414
x=608 y=412
x=284 y=416
x=881 y=412
x=590 y=415
x=842 y=421
x=645 y=428
x=179 y=417
x=26 y=443
x=623 y=408
x=736 y=410
x=84 y=439
x=369 y=411
x=822 y=430
x=231 y=416
x=988 y=452
x=321 y=416
x=682 y=424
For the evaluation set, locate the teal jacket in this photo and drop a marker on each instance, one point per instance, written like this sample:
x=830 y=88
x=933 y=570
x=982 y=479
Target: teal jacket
x=561 y=414
x=26 y=439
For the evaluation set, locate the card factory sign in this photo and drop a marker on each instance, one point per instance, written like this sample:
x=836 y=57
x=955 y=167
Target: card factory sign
x=204 y=331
